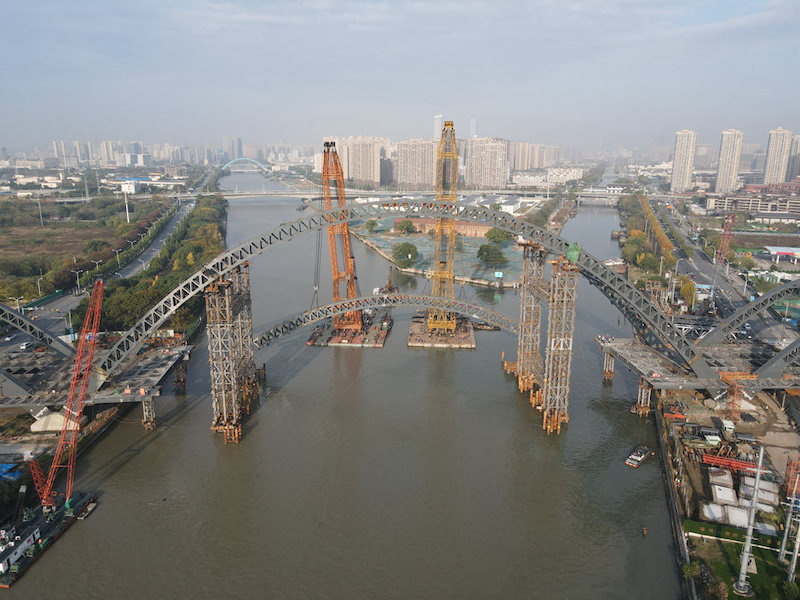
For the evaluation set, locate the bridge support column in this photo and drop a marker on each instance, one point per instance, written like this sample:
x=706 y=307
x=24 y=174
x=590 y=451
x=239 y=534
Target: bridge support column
x=179 y=384
x=558 y=357
x=148 y=414
x=643 y=399
x=528 y=367
x=608 y=366
x=230 y=332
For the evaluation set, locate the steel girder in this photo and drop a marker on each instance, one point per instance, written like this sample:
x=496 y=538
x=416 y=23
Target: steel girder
x=735 y=321
x=383 y=301
x=10 y=316
x=642 y=313
x=776 y=366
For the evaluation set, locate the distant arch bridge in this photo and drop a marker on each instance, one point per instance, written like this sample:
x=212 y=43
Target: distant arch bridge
x=246 y=160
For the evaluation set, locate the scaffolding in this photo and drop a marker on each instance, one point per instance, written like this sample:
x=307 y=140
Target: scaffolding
x=792 y=473
x=343 y=262
x=735 y=391
x=558 y=357
x=528 y=367
x=446 y=194
x=148 y=414
x=230 y=343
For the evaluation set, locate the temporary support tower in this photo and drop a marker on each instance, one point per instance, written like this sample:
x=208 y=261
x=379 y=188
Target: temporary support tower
x=558 y=357
x=528 y=368
x=735 y=391
x=64 y=457
x=343 y=266
x=445 y=248
x=230 y=352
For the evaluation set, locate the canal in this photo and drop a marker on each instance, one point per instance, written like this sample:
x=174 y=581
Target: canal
x=375 y=473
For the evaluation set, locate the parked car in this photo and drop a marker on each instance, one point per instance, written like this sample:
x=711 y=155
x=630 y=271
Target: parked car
x=9 y=337
x=25 y=345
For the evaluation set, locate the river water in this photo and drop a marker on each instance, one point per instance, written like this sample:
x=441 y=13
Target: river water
x=375 y=473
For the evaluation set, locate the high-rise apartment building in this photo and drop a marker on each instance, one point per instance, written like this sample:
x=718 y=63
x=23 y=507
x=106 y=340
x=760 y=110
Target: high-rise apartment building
x=778 y=148
x=524 y=156
x=730 y=151
x=793 y=170
x=486 y=163
x=438 y=123
x=416 y=164
x=683 y=161
x=360 y=157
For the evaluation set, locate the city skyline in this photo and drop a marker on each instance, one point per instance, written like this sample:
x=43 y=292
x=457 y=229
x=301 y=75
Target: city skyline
x=617 y=73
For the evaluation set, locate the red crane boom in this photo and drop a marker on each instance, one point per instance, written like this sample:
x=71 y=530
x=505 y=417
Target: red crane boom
x=727 y=234
x=73 y=410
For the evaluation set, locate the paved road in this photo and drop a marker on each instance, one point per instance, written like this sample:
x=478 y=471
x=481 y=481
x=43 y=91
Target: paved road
x=732 y=292
x=55 y=315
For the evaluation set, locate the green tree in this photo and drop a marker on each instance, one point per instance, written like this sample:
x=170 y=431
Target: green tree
x=371 y=225
x=95 y=246
x=404 y=254
x=495 y=206
x=406 y=226
x=497 y=236
x=691 y=570
x=491 y=255
x=687 y=290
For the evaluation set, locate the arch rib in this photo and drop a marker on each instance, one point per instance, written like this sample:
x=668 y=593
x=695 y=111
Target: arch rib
x=467 y=309
x=11 y=317
x=735 y=321
x=638 y=307
x=246 y=160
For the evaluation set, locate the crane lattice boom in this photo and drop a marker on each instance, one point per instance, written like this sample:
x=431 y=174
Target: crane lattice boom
x=73 y=410
x=342 y=262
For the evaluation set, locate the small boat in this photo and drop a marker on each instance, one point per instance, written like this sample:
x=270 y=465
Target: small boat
x=485 y=326
x=638 y=456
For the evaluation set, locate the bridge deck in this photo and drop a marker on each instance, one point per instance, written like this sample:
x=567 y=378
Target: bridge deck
x=141 y=380
x=663 y=374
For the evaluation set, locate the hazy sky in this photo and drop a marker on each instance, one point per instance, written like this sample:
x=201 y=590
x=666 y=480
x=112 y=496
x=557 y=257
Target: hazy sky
x=564 y=72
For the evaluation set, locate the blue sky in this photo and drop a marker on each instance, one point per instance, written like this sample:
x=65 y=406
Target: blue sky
x=579 y=73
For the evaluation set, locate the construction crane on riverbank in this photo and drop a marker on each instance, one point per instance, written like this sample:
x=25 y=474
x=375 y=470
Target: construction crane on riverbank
x=343 y=267
x=66 y=450
x=446 y=194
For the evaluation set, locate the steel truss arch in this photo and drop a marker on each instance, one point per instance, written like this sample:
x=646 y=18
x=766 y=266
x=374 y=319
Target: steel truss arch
x=737 y=319
x=245 y=160
x=641 y=312
x=11 y=317
x=287 y=326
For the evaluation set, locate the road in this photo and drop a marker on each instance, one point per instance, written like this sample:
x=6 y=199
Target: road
x=732 y=292
x=55 y=316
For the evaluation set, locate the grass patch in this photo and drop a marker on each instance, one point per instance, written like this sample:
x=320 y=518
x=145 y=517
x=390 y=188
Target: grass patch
x=15 y=422
x=723 y=558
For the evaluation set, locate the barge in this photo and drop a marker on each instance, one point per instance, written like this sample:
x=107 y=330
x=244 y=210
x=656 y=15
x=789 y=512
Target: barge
x=23 y=544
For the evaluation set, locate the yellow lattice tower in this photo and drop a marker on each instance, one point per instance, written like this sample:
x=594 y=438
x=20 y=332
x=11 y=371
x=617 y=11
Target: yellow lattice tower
x=445 y=249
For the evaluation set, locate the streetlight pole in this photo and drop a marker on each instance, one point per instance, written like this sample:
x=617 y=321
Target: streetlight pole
x=16 y=300
x=97 y=263
x=77 y=279
x=117 y=251
x=39 y=286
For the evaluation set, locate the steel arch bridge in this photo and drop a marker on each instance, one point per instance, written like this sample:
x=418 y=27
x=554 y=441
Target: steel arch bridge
x=467 y=309
x=737 y=319
x=245 y=160
x=637 y=307
x=11 y=317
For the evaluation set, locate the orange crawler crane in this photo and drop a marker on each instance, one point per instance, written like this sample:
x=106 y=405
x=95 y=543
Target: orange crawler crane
x=343 y=266
x=73 y=410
